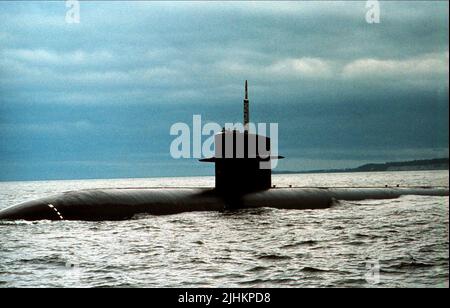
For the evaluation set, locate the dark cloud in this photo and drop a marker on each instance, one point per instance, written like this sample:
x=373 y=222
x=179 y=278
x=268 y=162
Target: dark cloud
x=97 y=99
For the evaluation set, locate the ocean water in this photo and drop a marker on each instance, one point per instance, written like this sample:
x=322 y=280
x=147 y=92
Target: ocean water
x=373 y=243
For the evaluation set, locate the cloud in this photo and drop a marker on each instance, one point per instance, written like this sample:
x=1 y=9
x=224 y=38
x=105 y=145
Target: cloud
x=54 y=128
x=303 y=67
x=114 y=84
x=51 y=57
x=434 y=65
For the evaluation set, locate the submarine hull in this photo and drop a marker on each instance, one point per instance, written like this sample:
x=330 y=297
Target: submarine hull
x=123 y=203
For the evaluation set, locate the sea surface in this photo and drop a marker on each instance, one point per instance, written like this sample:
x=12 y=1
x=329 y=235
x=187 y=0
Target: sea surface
x=373 y=243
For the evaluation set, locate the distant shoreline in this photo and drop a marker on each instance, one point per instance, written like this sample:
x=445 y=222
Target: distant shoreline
x=412 y=165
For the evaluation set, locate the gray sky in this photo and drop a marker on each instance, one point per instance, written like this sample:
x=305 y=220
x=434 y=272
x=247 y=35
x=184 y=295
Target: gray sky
x=97 y=99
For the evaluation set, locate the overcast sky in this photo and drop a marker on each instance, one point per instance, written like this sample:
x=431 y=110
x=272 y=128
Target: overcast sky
x=97 y=99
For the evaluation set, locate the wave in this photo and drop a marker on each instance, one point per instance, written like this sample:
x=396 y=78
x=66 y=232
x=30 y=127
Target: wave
x=310 y=269
x=273 y=257
x=50 y=260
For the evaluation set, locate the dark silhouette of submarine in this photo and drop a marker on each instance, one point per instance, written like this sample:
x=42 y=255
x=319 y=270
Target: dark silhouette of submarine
x=240 y=182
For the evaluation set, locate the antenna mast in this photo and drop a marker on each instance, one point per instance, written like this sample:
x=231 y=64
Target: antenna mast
x=246 y=112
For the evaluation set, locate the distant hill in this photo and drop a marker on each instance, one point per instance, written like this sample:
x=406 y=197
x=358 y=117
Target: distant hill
x=413 y=165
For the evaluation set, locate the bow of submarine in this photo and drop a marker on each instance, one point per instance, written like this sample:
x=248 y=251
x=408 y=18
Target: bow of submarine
x=31 y=210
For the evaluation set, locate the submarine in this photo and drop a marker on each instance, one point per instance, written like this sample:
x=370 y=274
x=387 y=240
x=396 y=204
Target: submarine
x=242 y=180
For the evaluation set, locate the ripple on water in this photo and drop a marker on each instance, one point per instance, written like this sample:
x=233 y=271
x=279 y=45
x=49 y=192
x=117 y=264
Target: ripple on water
x=273 y=257
x=408 y=237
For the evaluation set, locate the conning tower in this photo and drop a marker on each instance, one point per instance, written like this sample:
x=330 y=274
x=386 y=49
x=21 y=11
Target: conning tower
x=242 y=159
